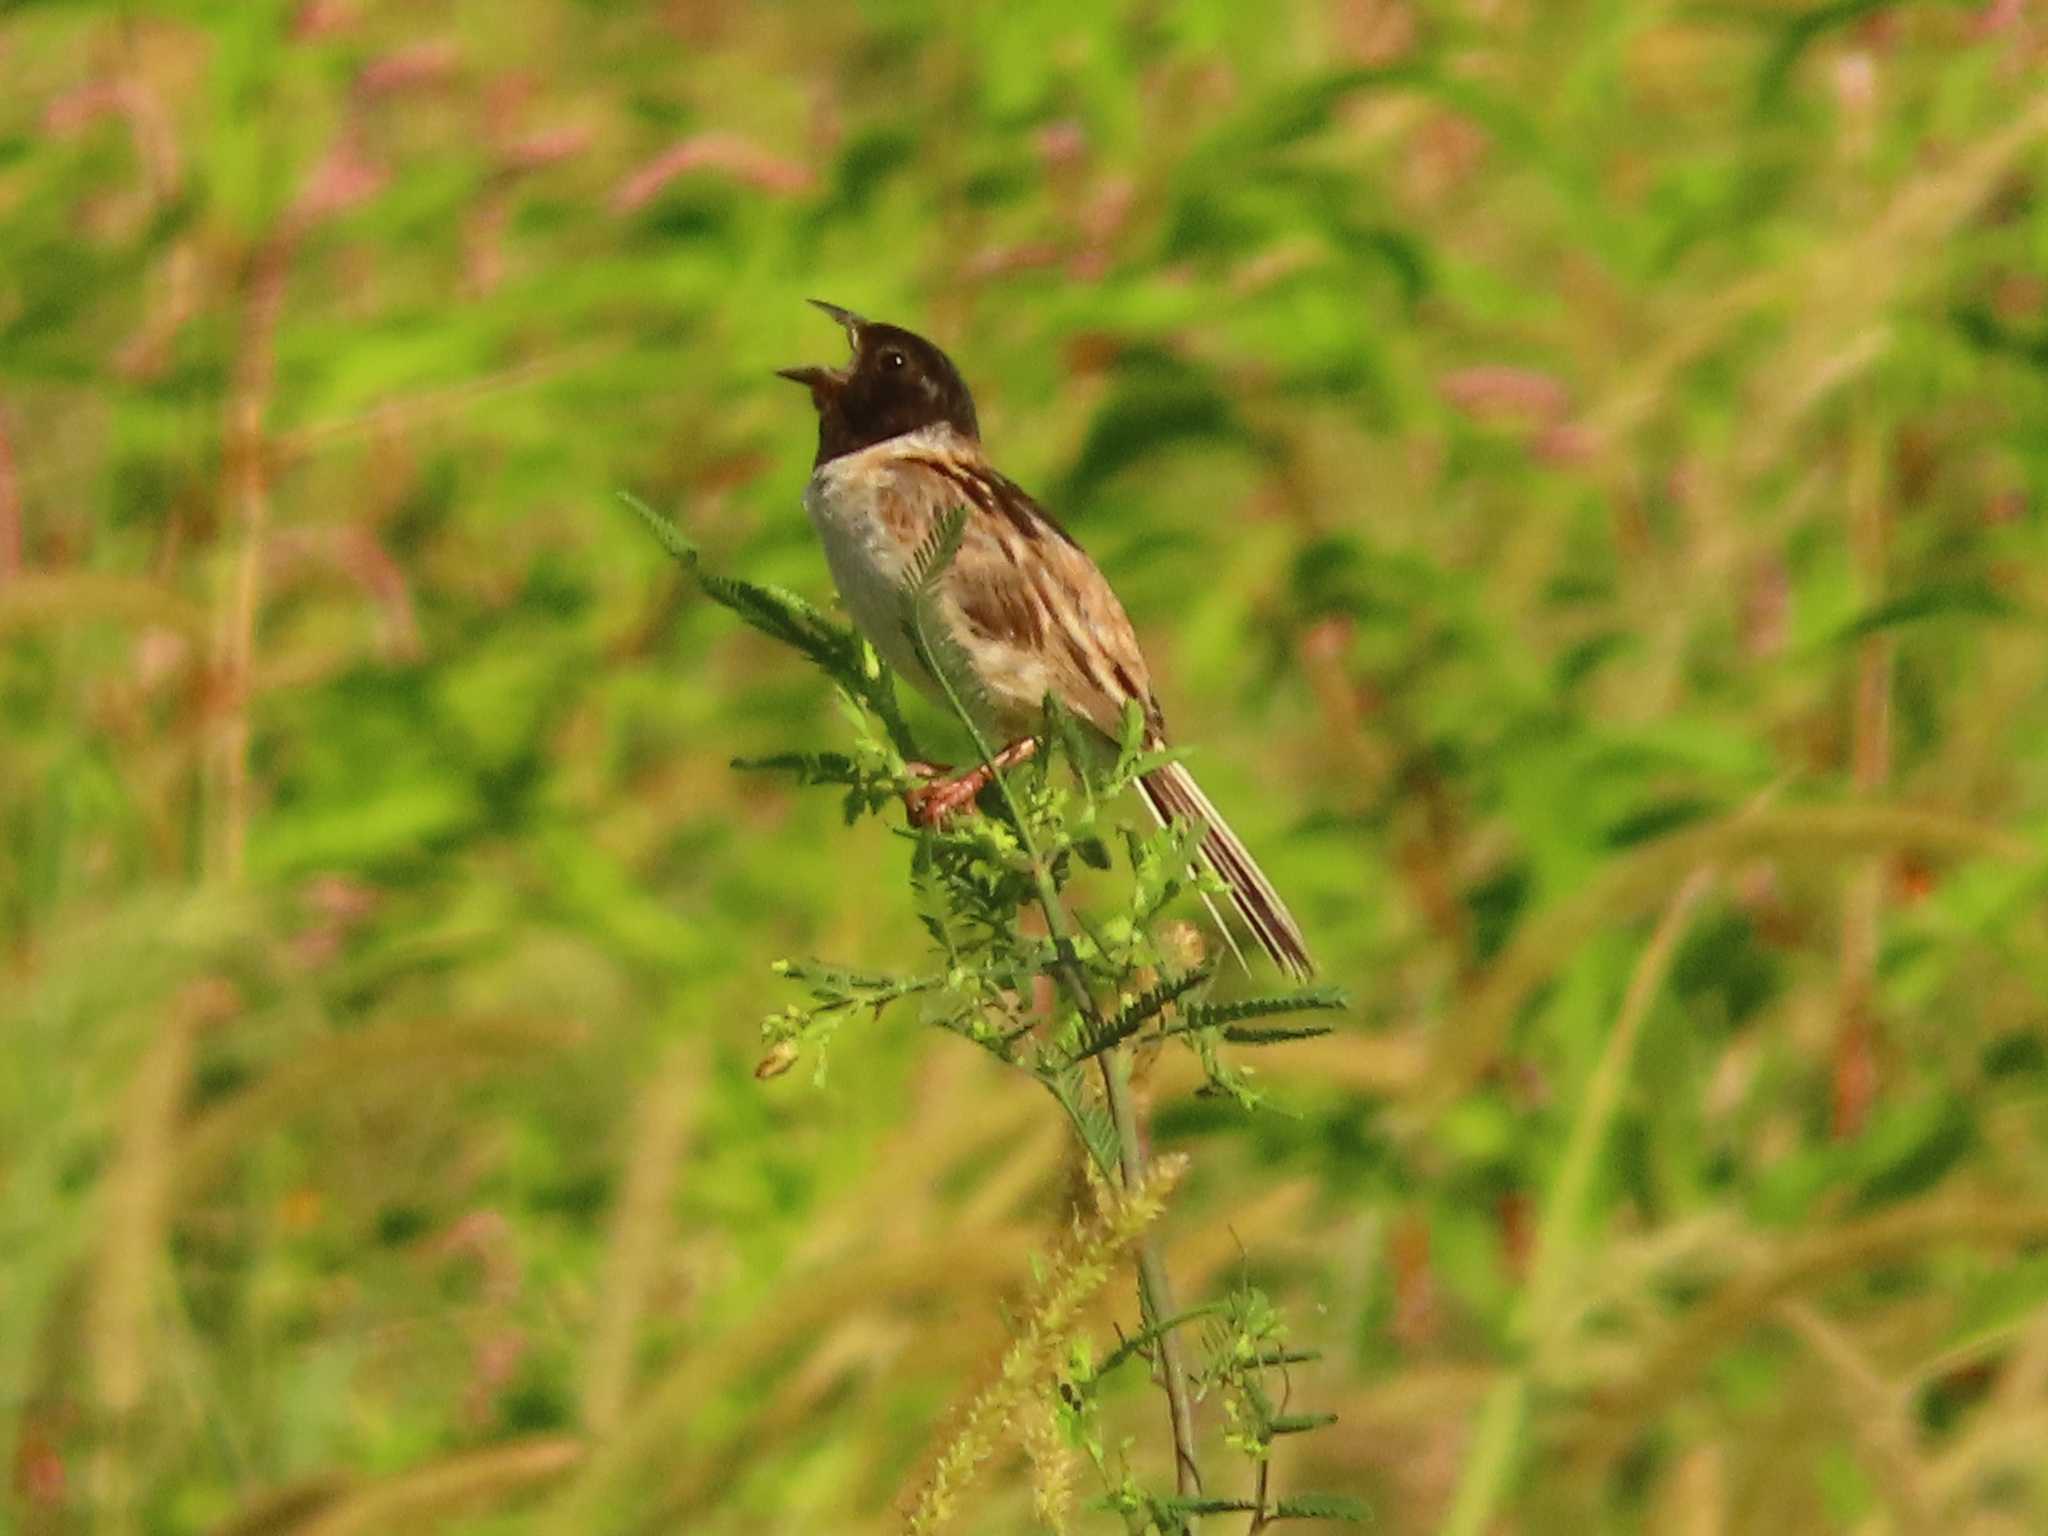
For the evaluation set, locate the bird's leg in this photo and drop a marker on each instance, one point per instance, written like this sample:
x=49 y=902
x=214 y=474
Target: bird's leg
x=924 y=773
x=931 y=803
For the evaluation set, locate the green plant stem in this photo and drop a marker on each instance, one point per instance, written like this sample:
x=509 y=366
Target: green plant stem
x=1155 y=1290
x=1155 y=1293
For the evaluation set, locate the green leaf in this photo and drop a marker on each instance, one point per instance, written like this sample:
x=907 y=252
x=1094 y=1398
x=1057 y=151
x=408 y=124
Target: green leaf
x=1179 y=1506
x=1217 y=1015
x=1131 y=729
x=1299 y=1423
x=1939 y=600
x=1063 y=727
x=929 y=563
x=1089 y=1116
x=1252 y=1034
x=1138 y=1342
x=842 y=655
x=666 y=533
x=1322 y=1506
x=1136 y=1014
x=1289 y=1357
x=1911 y=1148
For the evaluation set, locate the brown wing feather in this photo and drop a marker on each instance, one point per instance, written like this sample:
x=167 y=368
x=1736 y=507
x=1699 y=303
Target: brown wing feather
x=1038 y=617
x=1046 y=615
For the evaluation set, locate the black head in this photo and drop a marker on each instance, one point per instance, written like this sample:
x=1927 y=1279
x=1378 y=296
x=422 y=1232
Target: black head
x=897 y=382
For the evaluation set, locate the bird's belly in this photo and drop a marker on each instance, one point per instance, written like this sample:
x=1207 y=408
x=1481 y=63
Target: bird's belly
x=1002 y=686
x=867 y=567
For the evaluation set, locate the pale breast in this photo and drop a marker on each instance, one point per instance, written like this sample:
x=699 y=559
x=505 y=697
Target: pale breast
x=874 y=509
x=866 y=562
x=872 y=518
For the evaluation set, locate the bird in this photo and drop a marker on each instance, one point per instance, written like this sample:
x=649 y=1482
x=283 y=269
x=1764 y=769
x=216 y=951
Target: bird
x=1024 y=609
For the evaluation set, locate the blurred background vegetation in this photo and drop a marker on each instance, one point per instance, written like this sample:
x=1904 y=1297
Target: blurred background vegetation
x=1579 y=469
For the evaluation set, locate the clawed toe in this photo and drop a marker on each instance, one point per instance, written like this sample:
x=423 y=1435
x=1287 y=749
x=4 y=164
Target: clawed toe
x=930 y=803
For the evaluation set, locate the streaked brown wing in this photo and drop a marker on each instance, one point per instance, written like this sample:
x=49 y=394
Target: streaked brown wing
x=1023 y=586
x=1035 y=615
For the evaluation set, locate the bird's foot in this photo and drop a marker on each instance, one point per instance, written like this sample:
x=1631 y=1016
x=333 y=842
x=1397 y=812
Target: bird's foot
x=940 y=796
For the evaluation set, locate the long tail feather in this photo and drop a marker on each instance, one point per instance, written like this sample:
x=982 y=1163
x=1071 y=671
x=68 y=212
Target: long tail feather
x=1172 y=792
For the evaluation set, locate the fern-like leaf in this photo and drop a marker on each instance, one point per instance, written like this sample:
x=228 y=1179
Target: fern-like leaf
x=1064 y=730
x=932 y=643
x=1287 y=1356
x=1320 y=1506
x=928 y=563
x=1090 y=1118
x=1298 y=1423
x=1163 y=862
x=1145 y=1338
x=1136 y=1014
x=1179 y=1509
x=1274 y=1034
x=666 y=533
x=1217 y=1015
x=782 y=615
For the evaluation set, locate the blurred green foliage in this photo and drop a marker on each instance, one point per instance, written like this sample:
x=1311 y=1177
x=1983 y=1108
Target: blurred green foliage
x=1578 y=469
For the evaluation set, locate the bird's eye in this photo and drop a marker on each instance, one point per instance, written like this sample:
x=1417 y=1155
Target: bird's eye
x=892 y=360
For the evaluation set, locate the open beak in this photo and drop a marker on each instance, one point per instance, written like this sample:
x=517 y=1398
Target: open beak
x=853 y=323
x=813 y=378
x=821 y=382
